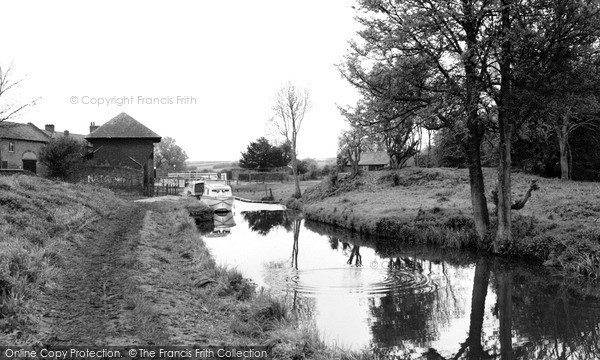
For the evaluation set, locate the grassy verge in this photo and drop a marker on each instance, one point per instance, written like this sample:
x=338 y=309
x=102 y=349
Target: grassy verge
x=558 y=226
x=39 y=220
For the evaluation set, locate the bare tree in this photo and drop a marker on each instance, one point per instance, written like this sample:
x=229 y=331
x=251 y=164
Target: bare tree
x=8 y=108
x=291 y=104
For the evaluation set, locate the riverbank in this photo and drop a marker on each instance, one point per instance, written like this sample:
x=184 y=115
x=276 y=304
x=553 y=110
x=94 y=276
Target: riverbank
x=79 y=266
x=558 y=226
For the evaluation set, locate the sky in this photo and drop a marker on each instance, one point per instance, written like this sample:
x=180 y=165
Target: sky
x=202 y=72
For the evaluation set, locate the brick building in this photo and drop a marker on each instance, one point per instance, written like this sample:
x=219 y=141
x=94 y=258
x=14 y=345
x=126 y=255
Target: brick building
x=20 y=145
x=123 y=142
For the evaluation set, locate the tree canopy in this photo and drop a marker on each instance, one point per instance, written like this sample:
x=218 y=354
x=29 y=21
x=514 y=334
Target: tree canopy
x=262 y=155
x=169 y=156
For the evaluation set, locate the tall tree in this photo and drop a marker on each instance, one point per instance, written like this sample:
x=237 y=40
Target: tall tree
x=534 y=42
x=169 y=156
x=291 y=104
x=438 y=53
x=8 y=107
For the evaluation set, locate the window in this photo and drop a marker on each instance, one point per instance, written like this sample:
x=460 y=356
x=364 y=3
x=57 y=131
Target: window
x=11 y=146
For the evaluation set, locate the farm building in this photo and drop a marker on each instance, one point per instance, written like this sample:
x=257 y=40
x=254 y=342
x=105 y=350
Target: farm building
x=123 y=142
x=374 y=160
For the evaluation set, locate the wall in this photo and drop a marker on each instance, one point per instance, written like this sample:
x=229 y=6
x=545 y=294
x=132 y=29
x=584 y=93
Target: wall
x=117 y=153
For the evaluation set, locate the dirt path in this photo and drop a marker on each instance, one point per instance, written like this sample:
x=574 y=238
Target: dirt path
x=90 y=306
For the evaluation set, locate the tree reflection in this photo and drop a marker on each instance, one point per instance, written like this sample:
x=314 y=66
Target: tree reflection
x=296 y=229
x=411 y=314
x=264 y=221
x=355 y=255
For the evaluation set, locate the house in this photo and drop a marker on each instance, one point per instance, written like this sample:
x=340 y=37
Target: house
x=20 y=145
x=124 y=142
x=374 y=160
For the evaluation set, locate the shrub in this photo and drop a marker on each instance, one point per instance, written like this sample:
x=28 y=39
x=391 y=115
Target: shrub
x=61 y=155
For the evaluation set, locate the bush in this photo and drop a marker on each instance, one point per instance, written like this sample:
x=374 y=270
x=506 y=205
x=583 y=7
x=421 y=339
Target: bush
x=61 y=155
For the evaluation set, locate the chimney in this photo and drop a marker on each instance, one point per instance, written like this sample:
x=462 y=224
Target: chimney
x=49 y=127
x=66 y=132
x=93 y=127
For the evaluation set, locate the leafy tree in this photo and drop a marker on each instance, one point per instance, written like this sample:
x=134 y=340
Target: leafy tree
x=433 y=57
x=469 y=66
x=169 y=156
x=61 y=155
x=291 y=104
x=261 y=155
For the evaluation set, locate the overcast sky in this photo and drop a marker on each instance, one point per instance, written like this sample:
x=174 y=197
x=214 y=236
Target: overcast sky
x=229 y=58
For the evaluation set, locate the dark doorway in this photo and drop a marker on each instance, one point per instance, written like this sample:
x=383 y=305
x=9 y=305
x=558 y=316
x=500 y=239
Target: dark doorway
x=30 y=165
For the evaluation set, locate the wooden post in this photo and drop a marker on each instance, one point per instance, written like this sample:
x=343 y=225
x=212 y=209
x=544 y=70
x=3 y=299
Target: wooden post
x=271 y=191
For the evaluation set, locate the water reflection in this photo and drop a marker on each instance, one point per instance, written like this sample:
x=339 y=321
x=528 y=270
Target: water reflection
x=220 y=226
x=407 y=301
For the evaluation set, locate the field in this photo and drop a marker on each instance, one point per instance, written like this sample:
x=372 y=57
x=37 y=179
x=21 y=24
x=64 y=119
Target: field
x=282 y=191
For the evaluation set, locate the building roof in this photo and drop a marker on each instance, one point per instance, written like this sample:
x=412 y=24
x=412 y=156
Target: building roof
x=17 y=131
x=123 y=126
x=59 y=134
x=374 y=158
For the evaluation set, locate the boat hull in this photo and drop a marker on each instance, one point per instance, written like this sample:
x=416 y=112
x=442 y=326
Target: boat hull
x=218 y=203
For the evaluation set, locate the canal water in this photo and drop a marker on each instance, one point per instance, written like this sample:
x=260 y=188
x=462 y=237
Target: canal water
x=408 y=301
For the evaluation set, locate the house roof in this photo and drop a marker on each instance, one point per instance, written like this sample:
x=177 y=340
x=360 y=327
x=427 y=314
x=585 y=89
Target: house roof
x=374 y=158
x=59 y=134
x=123 y=126
x=17 y=131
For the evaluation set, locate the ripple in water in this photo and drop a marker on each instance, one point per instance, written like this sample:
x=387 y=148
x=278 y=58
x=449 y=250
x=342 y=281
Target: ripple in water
x=350 y=280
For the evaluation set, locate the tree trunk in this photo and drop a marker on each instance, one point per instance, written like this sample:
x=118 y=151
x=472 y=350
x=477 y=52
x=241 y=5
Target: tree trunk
x=563 y=139
x=503 y=235
x=297 y=193
x=475 y=128
x=478 y=199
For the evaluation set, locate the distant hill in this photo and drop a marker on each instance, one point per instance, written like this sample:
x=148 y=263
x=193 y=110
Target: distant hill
x=215 y=165
x=222 y=164
x=325 y=161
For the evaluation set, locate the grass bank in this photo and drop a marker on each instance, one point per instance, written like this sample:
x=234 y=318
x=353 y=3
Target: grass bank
x=560 y=224
x=39 y=221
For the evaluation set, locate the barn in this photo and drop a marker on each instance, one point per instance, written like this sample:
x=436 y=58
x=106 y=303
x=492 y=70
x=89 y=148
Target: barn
x=123 y=142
